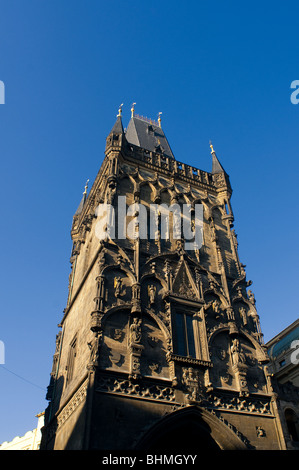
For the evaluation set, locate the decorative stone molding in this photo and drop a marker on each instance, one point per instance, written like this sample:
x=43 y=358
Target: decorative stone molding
x=188 y=360
x=143 y=390
x=234 y=403
x=73 y=404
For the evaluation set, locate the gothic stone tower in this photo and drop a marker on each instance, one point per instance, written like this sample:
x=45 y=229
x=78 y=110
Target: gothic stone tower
x=159 y=347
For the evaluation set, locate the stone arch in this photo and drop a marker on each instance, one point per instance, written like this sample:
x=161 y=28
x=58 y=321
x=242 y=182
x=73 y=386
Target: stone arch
x=159 y=322
x=114 y=344
x=292 y=423
x=220 y=343
x=117 y=267
x=127 y=185
x=221 y=210
x=155 y=339
x=215 y=304
x=189 y=429
x=261 y=355
x=241 y=303
x=142 y=191
x=164 y=195
x=156 y=276
x=152 y=288
x=125 y=258
x=118 y=283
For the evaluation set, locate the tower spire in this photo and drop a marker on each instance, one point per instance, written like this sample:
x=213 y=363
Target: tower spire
x=216 y=165
x=118 y=126
x=81 y=205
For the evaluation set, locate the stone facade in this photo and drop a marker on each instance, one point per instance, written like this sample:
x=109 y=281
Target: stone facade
x=283 y=351
x=157 y=339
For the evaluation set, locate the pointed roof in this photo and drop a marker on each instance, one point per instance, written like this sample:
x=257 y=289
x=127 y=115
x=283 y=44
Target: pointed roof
x=81 y=205
x=147 y=134
x=216 y=165
x=118 y=126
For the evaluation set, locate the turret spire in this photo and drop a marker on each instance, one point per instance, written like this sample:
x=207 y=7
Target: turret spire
x=216 y=165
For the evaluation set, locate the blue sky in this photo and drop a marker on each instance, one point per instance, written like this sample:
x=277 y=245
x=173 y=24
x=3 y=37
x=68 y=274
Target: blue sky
x=218 y=71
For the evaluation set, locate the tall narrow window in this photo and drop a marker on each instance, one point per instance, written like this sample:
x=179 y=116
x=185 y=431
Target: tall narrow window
x=71 y=359
x=184 y=335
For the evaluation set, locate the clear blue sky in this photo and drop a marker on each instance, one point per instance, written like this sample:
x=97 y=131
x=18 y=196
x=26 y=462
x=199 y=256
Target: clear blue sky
x=217 y=70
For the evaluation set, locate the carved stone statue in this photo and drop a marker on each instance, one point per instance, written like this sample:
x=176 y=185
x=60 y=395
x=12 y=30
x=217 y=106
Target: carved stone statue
x=190 y=380
x=152 y=294
x=251 y=297
x=117 y=286
x=243 y=315
x=135 y=331
x=111 y=191
x=216 y=306
x=237 y=355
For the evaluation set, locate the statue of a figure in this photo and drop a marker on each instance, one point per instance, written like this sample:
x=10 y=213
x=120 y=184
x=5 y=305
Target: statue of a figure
x=251 y=297
x=216 y=305
x=117 y=285
x=237 y=356
x=110 y=195
x=243 y=315
x=151 y=294
x=135 y=331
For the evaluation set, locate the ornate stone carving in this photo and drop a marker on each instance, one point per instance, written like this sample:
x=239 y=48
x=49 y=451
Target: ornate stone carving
x=190 y=379
x=94 y=350
x=151 y=294
x=236 y=353
x=135 y=347
x=243 y=315
x=239 y=365
x=118 y=286
x=72 y=405
x=154 y=367
x=140 y=389
x=230 y=314
x=241 y=404
x=135 y=331
x=251 y=297
x=260 y=432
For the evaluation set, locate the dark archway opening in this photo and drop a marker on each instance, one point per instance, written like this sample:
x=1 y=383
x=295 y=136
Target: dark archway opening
x=186 y=434
x=291 y=421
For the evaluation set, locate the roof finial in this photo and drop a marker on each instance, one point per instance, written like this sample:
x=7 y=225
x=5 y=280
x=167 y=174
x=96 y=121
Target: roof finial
x=132 y=110
x=212 y=149
x=159 y=118
x=86 y=186
x=120 y=110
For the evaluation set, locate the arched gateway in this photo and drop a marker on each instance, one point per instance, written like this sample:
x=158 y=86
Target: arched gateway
x=190 y=429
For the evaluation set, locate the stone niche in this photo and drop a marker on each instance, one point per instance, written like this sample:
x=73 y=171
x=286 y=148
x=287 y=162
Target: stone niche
x=115 y=348
x=236 y=370
x=155 y=349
